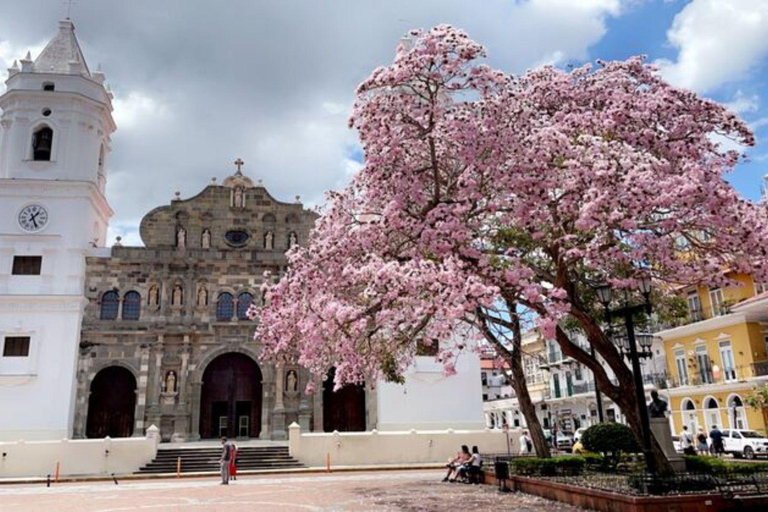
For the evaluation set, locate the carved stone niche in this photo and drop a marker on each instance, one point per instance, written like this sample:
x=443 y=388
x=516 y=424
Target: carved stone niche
x=291 y=384
x=170 y=388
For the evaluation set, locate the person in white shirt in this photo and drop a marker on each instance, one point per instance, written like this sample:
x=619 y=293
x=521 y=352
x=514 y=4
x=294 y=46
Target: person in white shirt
x=686 y=441
x=526 y=445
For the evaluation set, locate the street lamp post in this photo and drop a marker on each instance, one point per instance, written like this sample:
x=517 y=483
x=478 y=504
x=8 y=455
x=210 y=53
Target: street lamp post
x=598 y=396
x=605 y=295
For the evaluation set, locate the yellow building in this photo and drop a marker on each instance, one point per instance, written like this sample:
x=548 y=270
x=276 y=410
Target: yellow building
x=718 y=357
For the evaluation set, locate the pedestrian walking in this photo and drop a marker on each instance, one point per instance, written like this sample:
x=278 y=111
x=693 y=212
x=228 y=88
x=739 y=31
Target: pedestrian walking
x=716 y=436
x=686 y=440
x=226 y=456
x=701 y=442
x=233 y=462
x=526 y=446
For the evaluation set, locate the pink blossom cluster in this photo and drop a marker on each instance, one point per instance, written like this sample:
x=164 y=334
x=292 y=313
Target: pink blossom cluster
x=478 y=185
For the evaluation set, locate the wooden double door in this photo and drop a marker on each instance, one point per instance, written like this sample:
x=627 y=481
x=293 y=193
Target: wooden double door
x=231 y=396
x=111 y=404
x=343 y=410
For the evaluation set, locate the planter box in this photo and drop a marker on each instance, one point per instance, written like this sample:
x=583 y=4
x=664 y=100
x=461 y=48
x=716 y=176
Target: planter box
x=605 y=501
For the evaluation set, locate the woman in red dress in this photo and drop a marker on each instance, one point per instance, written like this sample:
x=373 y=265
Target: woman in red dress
x=233 y=462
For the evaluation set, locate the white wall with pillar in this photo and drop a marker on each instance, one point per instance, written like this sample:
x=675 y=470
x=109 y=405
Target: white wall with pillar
x=430 y=400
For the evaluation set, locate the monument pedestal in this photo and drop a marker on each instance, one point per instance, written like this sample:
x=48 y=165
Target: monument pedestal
x=662 y=433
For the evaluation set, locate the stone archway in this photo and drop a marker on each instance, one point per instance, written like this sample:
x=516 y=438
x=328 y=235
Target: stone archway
x=231 y=397
x=343 y=410
x=111 y=404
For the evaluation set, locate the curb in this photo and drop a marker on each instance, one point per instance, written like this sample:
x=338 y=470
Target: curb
x=207 y=474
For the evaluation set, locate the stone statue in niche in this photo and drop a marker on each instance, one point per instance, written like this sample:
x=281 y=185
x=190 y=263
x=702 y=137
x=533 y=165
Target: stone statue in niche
x=269 y=241
x=291 y=382
x=205 y=239
x=238 y=197
x=153 y=296
x=181 y=238
x=170 y=382
x=178 y=296
x=292 y=239
x=202 y=296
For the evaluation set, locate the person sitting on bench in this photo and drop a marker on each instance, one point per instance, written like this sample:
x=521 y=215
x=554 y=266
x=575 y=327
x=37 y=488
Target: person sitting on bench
x=454 y=465
x=471 y=470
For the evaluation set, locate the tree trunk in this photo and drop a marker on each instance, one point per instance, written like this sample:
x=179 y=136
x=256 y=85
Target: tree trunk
x=521 y=390
x=514 y=358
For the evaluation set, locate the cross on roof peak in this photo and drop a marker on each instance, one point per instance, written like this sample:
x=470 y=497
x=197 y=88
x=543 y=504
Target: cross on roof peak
x=239 y=163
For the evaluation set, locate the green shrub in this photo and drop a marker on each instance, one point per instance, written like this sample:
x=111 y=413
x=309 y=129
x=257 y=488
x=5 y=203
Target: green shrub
x=562 y=465
x=612 y=438
x=715 y=466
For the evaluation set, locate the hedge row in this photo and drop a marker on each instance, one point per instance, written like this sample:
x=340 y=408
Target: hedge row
x=561 y=465
x=714 y=466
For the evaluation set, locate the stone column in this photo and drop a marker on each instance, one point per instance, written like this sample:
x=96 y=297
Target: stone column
x=317 y=403
x=196 y=389
x=141 y=391
x=180 y=424
x=278 y=416
x=83 y=394
x=371 y=408
x=266 y=402
x=153 y=393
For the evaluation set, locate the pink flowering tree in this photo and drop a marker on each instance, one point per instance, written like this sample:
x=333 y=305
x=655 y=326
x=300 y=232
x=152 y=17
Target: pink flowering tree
x=482 y=193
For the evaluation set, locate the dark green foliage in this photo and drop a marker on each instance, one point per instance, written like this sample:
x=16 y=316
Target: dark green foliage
x=613 y=438
x=562 y=465
x=714 y=466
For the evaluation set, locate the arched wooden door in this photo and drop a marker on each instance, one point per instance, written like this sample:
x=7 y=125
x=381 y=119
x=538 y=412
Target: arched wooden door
x=343 y=410
x=112 y=403
x=230 y=402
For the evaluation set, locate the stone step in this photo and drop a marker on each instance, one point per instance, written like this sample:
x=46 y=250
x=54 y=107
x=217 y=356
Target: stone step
x=206 y=459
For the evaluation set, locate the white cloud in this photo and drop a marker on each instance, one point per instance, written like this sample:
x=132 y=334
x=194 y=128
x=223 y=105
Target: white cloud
x=135 y=108
x=742 y=103
x=10 y=53
x=719 y=41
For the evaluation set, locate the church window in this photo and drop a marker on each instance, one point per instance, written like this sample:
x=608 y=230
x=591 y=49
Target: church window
x=27 y=265
x=42 y=142
x=16 y=346
x=110 y=303
x=131 y=306
x=225 y=307
x=49 y=86
x=46 y=112
x=244 y=301
x=236 y=238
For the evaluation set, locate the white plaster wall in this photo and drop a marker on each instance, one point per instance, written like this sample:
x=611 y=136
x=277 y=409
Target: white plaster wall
x=430 y=400
x=76 y=457
x=37 y=392
x=414 y=447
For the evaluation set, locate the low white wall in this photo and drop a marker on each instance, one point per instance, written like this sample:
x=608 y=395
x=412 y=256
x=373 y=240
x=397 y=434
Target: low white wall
x=413 y=447
x=77 y=457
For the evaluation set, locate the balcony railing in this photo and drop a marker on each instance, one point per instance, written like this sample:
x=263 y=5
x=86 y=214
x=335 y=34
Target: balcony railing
x=759 y=368
x=724 y=375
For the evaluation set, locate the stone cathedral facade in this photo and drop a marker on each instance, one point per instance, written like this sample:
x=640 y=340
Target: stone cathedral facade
x=165 y=336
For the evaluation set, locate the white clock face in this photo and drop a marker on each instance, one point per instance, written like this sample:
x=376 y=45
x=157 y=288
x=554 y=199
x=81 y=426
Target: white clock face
x=33 y=217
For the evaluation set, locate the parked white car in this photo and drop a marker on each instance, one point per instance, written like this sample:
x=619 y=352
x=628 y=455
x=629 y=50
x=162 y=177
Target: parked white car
x=577 y=435
x=745 y=443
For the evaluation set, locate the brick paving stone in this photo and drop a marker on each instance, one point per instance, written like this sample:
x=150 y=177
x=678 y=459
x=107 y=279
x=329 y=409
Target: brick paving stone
x=408 y=491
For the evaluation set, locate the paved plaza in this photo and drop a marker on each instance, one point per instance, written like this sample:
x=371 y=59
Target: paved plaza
x=375 y=491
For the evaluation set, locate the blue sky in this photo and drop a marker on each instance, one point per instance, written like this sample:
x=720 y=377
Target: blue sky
x=198 y=84
x=644 y=29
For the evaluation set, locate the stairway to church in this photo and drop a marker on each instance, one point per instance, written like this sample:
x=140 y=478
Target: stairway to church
x=206 y=459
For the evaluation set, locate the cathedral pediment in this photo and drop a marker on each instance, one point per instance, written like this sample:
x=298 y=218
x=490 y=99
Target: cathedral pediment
x=237 y=214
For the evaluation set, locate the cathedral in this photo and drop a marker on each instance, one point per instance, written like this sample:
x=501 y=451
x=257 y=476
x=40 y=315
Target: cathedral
x=105 y=341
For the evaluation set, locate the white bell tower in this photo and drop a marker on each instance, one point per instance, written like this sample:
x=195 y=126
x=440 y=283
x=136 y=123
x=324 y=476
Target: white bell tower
x=55 y=129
